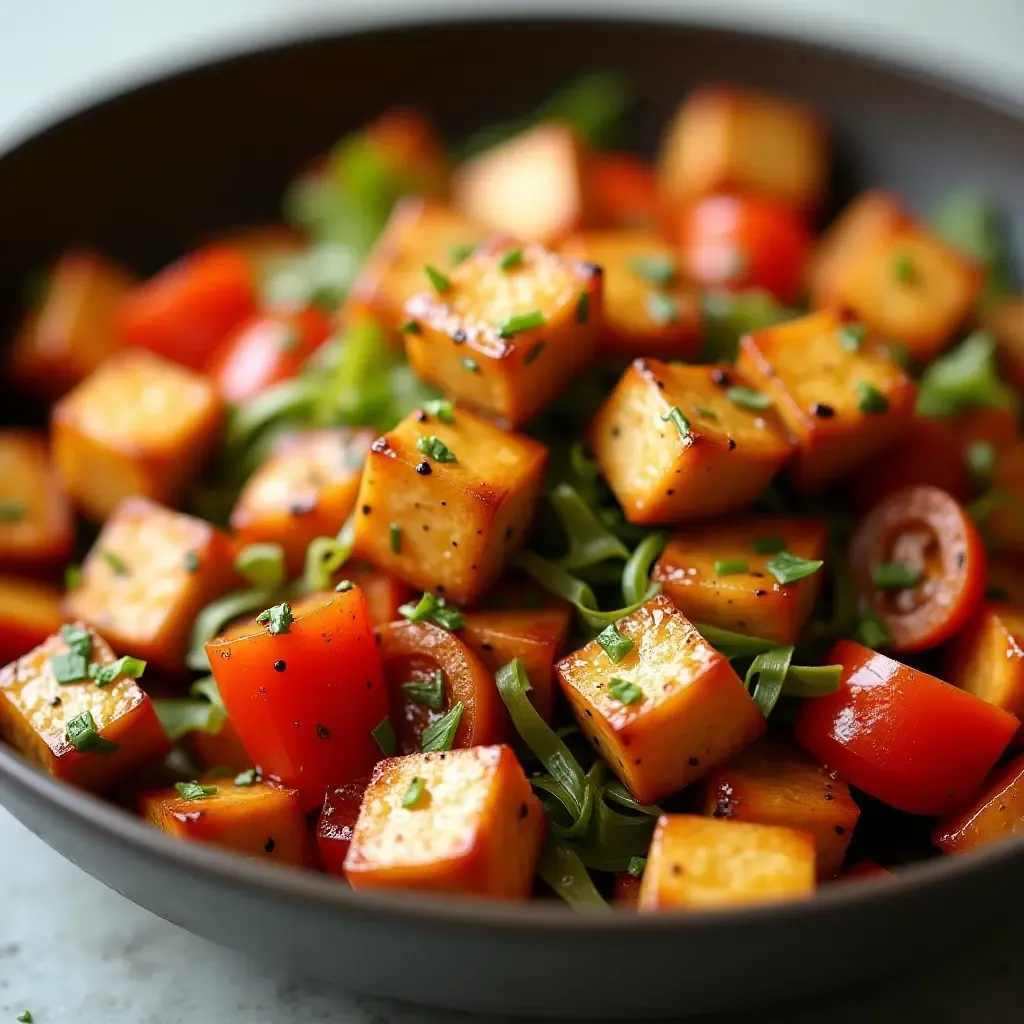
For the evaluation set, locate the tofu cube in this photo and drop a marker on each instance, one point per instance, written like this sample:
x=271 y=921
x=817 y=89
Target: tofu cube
x=419 y=233
x=36 y=712
x=506 y=341
x=648 y=309
x=536 y=637
x=987 y=657
x=870 y=218
x=691 y=713
x=260 y=820
x=912 y=287
x=836 y=387
x=726 y=458
x=534 y=186
x=1005 y=319
x=464 y=822
x=1004 y=526
x=37 y=529
x=146 y=578
x=998 y=814
x=138 y=425
x=306 y=488
x=725 y=139
x=74 y=327
x=700 y=863
x=447 y=526
x=775 y=782
x=29 y=613
x=716 y=574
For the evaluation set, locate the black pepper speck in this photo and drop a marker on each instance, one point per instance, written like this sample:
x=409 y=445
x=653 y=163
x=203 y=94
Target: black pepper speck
x=423 y=468
x=280 y=666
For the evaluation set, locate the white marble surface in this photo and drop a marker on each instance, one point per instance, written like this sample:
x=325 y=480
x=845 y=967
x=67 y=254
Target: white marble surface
x=72 y=951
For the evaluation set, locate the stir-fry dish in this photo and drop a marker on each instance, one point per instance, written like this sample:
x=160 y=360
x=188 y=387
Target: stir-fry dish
x=534 y=519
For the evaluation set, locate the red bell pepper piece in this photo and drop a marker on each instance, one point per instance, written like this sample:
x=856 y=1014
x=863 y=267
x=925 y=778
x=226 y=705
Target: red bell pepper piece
x=186 y=311
x=337 y=821
x=902 y=735
x=624 y=192
x=306 y=701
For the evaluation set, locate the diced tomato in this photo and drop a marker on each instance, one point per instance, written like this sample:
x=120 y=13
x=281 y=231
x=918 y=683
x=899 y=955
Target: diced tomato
x=623 y=192
x=901 y=735
x=415 y=652
x=269 y=348
x=190 y=307
x=740 y=242
x=337 y=820
x=305 y=702
x=927 y=534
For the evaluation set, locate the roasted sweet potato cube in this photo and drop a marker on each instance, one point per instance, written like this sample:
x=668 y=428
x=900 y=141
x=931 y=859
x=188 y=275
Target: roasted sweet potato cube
x=871 y=217
x=74 y=327
x=89 y=735
x=716 y=574
x=775 y=782
x=648 y=310
x=147 y=576
x=337 y=824
x=306 y=488
x=441 y=504
x=420 y=233
x=138 y=425
x=1005 y=319
x=668 y=711
x=838 y=390
x=257 y=820
x=504 y=338
x=29 y=613
x=997 y=814
x=912 y=287
x=725 y=139
x=463 y=822
x=987 y=657
x=534 y=186
x=37 y=529
x=1004 y=527
x=700 y=863
x=535 y=637
x=725 y=458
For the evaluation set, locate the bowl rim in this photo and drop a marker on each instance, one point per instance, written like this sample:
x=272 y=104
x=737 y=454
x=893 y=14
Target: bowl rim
x=108 y=821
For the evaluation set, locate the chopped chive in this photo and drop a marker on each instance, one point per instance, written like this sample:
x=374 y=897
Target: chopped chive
x=469 y=363
x=521 y=322
x=440 y=735
x=410 y=327
x=625 y=692
x=430 y=694
x=248 y=778
x=583 y=307
x=12 y=511
x=871 y=399
x=413 y=793
x=708 y=414
x=191 y=561
x=117 y=564
x=730 y=568
x=194 y=790
x=82 y=734
x=898 y=353
x=434 y=448
x=787 y=568
x=872 y=632
x=980 y=457
x=438 y=281
x=423 y=609
x=682 y=424
x=344 y=586
x=130 y=668
x=384 y=736
x=72 y=577
x=449 y=618
x=658 y=271
x=69 y=667
x=903 y=268
x=462 y=252
x=535 y=351
x=395 y=538
x=441 y=408
x=851 y=335
x=661 y=308
x=278 y=619
x=893 y=576
x=511 y=259
x=768 y=545
x=748 y=398
x=614 y=644
x=78 y=640
x=25 y=1017
x=636 y=866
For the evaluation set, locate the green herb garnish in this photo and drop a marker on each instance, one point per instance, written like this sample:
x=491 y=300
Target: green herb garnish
x=460 y=253
x=440 y=735
x=788 y=568
x=470 y=364
x=117 y=564
x=730 y=567
x=625 y=692
x=248 y=778
x=980 y=457
x=82 y=734
x=395 y=538
x=661 y=308
x=441 y=408
x=682 y=424
x=872 y=400
x=69 y=667
x=614 y=644
x=413 y=793
x=430 y=694
x=748 y=398
x=657 y=271
x=434 y=448
x=78 y=640
x=511 y=259
x=438 y=281
x=191 y=561
x=130 y=668
x=72 y=576
x=583 y=307
x=851 y=335
x=384 y=736
x=194 y=790
x=903 y=268
x=893 y=576
x=12 y=511
x=278 y=619
x=872 y=632
x=636 y=866
x=768 y=545
x=521 y=322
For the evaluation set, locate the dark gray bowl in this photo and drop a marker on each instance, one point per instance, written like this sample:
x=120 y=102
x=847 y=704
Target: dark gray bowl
x=147 y=173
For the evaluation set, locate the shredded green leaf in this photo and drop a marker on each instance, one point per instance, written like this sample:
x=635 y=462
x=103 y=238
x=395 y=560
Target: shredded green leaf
x=966 y=377
x=440 y=735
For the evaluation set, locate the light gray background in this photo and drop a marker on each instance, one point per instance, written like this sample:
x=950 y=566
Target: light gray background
x=71 y=950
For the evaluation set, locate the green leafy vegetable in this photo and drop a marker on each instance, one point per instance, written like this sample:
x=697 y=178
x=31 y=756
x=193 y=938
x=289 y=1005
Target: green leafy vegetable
x=69 y=667
x=614 y=644
x=872 y=632
x=384 y=736
x=215 y=616
x=248 y=778
x=560 y=866
x=440 y=735
x=82 y=734
x=118 y=566
x=789 y=568
x=262 y=565
x=893 y=576
x=636 y=866
x=194 y=790
x=766 y=676
x=520 y=323
x=590 y=542
x=970 y=221
x=625 y=692
x=278 y=618
x=636 y=573
x=431 y=695
x=966 y=377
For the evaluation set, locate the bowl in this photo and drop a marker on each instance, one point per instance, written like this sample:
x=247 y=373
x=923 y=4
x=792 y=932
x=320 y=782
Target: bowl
x=147 y=173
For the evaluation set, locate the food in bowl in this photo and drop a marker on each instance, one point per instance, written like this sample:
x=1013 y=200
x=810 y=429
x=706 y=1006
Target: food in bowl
x=542 y=521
